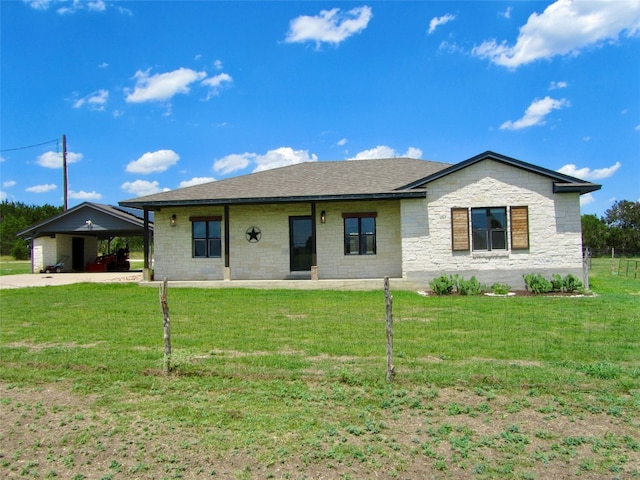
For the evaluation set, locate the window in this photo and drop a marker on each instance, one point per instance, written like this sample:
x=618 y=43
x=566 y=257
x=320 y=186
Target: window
x=207 y=242
x=489 y=228
x=359 y=233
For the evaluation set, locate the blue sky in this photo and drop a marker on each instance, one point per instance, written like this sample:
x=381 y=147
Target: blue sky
x=158 y=95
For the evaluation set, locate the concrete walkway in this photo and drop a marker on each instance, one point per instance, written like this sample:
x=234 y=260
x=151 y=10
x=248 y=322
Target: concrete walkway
x=54 y=279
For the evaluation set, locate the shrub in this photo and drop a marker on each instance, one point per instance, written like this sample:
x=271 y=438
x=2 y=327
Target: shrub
x=557 y=283
x=572 y=283
x=443 y=285
x=537 y=283
x=20 y=250
x=501 y=288
x=469 y=287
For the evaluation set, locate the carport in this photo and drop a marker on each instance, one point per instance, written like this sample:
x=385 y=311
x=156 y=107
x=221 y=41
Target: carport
x=70 y=239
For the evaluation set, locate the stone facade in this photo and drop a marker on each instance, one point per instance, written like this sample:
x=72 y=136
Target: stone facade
x=413 y=236
x=269 y=258
x=555 y=243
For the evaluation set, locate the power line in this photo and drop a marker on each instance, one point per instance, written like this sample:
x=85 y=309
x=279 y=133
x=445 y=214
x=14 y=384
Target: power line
x=28 y=146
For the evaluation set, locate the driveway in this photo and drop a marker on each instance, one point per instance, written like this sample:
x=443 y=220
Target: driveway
x=53 y=279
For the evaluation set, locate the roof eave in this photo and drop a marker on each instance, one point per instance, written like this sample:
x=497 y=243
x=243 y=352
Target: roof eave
x=581 y=188
x=158 y=204
x=489 y=155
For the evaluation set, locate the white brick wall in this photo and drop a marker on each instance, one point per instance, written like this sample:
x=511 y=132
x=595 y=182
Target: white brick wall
x=554 y=226
x=269 y=258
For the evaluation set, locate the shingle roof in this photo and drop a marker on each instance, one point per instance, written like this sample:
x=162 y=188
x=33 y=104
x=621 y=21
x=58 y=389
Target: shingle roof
x=383 y=178
x=322 y=181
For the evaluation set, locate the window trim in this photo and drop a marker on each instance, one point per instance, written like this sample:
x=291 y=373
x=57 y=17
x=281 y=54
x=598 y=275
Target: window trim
x=490 y=230
x=206 y=238
x=361 y=238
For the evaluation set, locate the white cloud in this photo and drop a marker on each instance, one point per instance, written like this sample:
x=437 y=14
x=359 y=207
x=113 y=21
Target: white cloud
x=162 y=86
x=82 y=195
x=38 y=4
x=536 y=113
x=103 y=65
x=217 y=64
x=54 y=160
x=383 y=151
x=586 y=199
x=330 y=26
x=76 y=5
x=281 y=157
x=437 y=21
x=8 y=184
x=41 y=188
x=3 y=196
x=565 y=27
x=506 y=13
x=153 y=162
x=234 y=162
x=342 y=142
x=95 y=101
x=558 y=85
x=196 y=181
x=216 y=82
x=586 y=173
x=141 y=188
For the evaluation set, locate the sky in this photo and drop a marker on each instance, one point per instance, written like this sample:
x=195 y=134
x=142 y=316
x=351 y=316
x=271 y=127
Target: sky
x=158 y=95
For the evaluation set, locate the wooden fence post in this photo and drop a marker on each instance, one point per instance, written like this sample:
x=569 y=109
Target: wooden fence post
x=389 y=318
x=166 y=323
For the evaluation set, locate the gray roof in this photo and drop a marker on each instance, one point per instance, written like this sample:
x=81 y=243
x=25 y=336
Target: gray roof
x=105 y=222
x=339 y=180
x=309 y=181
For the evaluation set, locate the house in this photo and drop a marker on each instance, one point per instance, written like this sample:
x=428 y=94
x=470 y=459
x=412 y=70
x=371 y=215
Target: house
x=491 y=216
x=69 y=240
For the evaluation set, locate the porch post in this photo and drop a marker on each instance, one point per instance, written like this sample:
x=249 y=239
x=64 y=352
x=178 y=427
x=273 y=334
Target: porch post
x=314 y=251
x=146 y=274
x=227 y=248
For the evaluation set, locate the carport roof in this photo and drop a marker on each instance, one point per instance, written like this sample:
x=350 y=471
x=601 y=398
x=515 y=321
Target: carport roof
x=92 y=219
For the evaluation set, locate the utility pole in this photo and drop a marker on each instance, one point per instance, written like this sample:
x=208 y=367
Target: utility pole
x=64 y=171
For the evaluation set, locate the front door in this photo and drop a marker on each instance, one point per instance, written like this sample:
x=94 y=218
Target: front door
x=300 y=238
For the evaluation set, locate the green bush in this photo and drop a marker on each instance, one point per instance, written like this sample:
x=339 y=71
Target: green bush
x=443 y=285
x=572 y=283
x=469 y=287
x=537 y=283
x=557 y=283
x=501 y=288
x=20 y=250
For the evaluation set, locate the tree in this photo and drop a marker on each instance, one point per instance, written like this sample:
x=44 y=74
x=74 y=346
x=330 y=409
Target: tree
x=594 y=233
x=17 y=216
x=623 y=220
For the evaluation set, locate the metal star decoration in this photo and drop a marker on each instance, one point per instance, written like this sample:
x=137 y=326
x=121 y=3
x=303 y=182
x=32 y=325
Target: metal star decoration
x=253 y=234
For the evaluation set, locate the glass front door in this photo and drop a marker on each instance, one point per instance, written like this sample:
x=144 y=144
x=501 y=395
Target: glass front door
x=300 y=238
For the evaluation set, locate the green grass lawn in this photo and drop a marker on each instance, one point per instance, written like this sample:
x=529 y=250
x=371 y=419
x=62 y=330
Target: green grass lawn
x=291 y=384
x=10 y=266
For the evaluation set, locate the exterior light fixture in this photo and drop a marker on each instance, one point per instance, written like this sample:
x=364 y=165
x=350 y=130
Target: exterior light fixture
x=173 y=220
x=323 y=216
